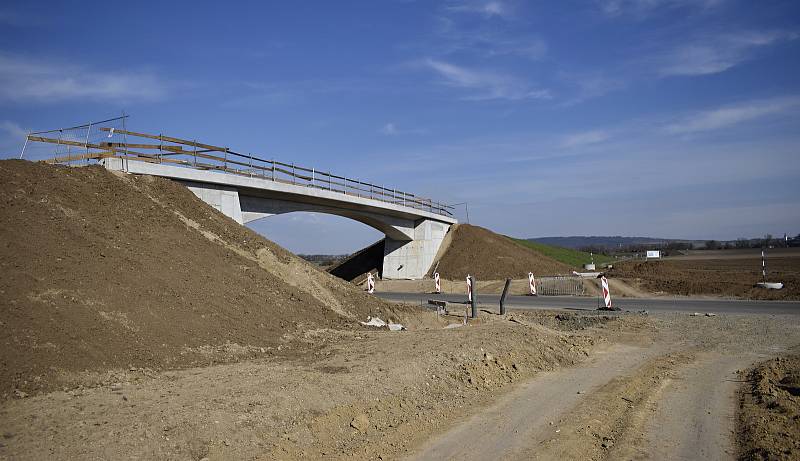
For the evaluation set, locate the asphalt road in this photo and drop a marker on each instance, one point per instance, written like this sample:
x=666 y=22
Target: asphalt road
x=715 y=306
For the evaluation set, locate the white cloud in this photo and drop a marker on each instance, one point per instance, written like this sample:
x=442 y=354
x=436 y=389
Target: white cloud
x=488 y=85
x=590 y=85
x=731 y=115
x=12 y=130
x=488 y=9
x=645 y=7
x=585 y=138
x=389 y=129
x=711 y=55
x=28 y=80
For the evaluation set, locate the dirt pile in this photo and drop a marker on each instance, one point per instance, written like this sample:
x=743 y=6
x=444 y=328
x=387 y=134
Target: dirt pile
x=717 y=277
x=103 y=271
x=769 y=411
x=489 y=256
x=365 y=394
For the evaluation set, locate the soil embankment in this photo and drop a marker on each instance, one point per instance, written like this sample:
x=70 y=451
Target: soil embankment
x=104 y=271
x=489 y=256
x=769 y=410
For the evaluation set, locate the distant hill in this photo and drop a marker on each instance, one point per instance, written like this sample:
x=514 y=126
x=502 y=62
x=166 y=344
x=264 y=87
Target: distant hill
x=576 y=242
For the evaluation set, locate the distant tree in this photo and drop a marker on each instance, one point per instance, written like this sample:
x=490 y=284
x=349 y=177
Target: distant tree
x=742 y=243
x=712 y=245
x=767 y=240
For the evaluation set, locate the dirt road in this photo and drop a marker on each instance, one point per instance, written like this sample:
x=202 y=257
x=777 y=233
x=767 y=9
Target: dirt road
x=638 y=387
x=695 y=416
x=672 y=400
x=529 y=413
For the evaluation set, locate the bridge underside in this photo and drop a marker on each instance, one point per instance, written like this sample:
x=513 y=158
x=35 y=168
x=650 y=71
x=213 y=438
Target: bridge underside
x=413 y=237
x=410 y=245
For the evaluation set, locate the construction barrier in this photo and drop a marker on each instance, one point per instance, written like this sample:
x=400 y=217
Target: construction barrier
x=370 y=283
x=532 y=283
x=606 y=293
x=560 y=285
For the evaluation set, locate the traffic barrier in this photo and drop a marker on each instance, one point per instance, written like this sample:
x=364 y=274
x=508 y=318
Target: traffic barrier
x=532 y=283
x=370 y=283
x=560 y=285
x=606 y=293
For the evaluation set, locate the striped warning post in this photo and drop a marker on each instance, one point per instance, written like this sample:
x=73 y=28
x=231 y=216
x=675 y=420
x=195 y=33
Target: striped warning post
x=469 y=288
x=532 y=283
x=370 y=283
x=763 y=266
x=606 y=293
x=438 y=283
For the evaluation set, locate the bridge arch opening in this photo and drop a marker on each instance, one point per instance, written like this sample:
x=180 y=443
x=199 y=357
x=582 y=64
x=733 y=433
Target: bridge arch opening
x=317 y=233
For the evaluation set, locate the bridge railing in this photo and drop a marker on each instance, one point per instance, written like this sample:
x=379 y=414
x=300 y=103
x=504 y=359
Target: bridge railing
x=192 y=154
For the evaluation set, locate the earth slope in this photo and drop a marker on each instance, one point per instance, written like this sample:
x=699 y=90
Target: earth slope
x=480 y=252
x=102 y=271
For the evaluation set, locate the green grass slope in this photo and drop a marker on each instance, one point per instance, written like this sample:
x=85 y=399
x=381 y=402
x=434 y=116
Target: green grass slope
x=568 y=256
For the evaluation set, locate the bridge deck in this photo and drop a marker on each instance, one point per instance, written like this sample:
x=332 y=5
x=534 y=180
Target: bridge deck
x=200 y=157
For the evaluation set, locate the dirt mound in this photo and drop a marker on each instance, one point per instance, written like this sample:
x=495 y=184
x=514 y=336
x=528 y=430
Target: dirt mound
x=769 y=411
x=104 y=271
x=717 y=277
x=489 y=256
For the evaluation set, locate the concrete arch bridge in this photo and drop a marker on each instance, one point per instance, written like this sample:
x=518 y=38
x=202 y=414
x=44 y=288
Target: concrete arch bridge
x=247 y=188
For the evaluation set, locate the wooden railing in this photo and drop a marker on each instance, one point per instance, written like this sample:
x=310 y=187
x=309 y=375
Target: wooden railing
x=202 y=156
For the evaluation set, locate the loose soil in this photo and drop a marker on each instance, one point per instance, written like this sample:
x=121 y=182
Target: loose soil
x=365 y=394
x=103 y=271
x=769 y=410
x=488 y=256
x=731 y=277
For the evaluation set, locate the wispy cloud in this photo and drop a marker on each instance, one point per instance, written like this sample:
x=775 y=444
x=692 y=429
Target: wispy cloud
x=711 y=55
x=488 y=9
x=732 y=115
x=12 y=130
x=585 y=138
x=486 y=85
x=23 y=79
x=391 y=129
x=641 y=8
x=590 y=85
x=456 y=33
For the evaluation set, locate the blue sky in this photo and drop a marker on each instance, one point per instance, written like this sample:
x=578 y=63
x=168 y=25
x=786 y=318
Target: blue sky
x=664 y=118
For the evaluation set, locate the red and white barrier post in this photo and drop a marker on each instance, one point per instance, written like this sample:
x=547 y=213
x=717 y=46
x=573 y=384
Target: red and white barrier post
x=438 y=284
x=606 y=293
x=370 y=283
x=532 y=283
x=469 y=288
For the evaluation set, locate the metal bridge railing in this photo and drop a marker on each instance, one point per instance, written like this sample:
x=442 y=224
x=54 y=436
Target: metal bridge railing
x=102 y=141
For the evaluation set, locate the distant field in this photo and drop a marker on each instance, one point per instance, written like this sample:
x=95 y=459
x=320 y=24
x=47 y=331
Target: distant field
x=568 y=256
x=748 y=253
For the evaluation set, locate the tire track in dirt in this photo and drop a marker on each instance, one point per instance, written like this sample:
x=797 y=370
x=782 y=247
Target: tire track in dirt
x=695 y=418
x=506 y=429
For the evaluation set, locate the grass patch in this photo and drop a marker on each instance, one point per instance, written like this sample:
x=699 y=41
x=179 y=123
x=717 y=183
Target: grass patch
x=568 y=256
